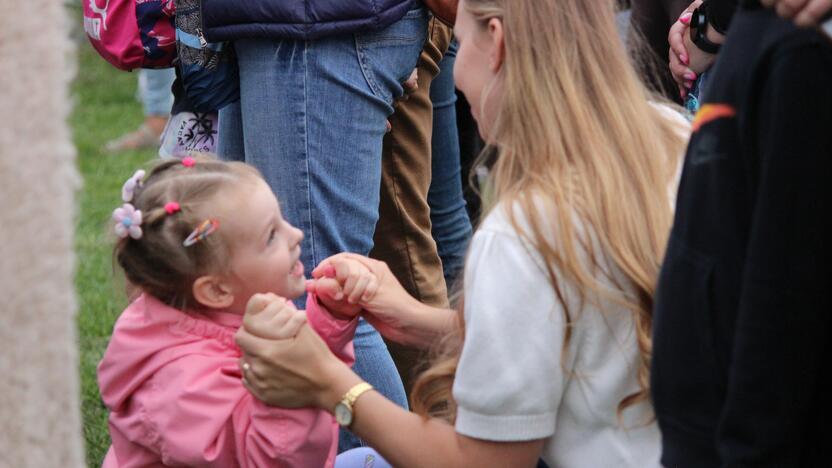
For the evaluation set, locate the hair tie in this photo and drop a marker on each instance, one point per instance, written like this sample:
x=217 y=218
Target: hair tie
x=188 y=161
x=172 y=207
x=130 y=186
x=201 y=232
x=128 y=221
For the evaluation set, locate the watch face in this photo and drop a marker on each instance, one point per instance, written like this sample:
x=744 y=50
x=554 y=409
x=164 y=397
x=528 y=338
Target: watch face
x=697 y=19
x=343 y=415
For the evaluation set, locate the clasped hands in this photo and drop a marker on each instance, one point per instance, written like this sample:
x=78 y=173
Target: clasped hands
x=285 y=362
x=687 y=62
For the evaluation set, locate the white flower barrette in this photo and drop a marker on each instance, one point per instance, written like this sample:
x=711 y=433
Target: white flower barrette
x=130 y=186
x=128 y=221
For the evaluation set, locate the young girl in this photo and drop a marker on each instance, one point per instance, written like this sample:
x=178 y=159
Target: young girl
x=198 y=239
x=554 y=349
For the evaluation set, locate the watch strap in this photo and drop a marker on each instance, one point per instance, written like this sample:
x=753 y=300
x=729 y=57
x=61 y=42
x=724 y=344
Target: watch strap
x=698 y=32
x=353 y=393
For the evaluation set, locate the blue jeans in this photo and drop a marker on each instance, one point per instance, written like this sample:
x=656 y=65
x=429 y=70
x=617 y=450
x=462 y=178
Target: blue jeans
x=154 y=90
x=697 y=95
x=451 y=227
x=311 y=118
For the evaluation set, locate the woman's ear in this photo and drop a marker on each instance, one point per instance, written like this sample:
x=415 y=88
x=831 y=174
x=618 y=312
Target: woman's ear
x=213 y=292
x=498 y=45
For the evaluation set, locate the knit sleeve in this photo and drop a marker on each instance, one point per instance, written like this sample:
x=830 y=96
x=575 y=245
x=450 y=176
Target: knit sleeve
x=509 y=381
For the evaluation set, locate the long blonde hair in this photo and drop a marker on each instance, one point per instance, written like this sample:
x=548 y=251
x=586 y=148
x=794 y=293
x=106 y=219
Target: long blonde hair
x=574 y=124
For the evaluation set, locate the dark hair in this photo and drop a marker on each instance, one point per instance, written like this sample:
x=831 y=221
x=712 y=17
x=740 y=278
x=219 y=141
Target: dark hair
x=157 y=263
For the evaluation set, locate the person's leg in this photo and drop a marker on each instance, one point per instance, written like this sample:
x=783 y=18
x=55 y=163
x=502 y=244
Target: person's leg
x=403 y=234
x=451 y=226
x=154 y=92
x=230 y=144
x=470 y=147
x=313 y=118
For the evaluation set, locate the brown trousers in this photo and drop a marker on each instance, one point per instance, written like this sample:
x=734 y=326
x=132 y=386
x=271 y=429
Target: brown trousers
x=403 y=238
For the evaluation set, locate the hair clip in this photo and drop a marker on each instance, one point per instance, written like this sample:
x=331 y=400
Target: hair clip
x=201 y=232
x=188 y=161
x=130 y=186
x=128 y=221
x=172 y=207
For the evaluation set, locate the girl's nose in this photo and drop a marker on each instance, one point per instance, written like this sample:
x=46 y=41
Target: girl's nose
x=298 y=234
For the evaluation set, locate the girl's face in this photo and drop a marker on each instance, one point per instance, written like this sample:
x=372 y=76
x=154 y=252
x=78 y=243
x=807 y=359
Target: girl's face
x=264 y=247
x=478 y=62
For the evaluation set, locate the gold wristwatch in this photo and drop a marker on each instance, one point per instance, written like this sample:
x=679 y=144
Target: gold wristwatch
x=343 y=410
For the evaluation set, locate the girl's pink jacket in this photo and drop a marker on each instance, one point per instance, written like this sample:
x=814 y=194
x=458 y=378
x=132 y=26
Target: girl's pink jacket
x=172 y=383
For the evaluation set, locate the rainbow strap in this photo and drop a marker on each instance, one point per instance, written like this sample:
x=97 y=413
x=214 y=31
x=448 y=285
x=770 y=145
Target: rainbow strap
x=201 y=232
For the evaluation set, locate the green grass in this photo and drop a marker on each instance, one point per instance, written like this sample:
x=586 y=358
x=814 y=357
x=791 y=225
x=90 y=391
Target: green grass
x=104 y=108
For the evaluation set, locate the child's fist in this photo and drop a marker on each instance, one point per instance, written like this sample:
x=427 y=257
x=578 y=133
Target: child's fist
x=272 y=317
x=341 y=284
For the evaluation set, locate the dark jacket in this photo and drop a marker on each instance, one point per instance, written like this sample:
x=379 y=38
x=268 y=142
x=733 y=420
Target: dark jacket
x=743 y=314
x=297 y=19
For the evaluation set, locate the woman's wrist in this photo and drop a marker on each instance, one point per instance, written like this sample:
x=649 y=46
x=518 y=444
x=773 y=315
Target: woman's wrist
x=425 y=323
x=338 y=379
x=713 y=35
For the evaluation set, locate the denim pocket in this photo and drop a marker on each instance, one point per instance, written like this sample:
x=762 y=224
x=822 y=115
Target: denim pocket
x=387 y=57
x=404 y=31
x=685 y=374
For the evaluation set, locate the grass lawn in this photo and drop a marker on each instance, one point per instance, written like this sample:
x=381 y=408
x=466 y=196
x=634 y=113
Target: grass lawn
x=105 y=107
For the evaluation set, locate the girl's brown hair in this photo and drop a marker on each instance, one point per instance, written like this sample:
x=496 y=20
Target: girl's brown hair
x=575 y=138
x=158 y=263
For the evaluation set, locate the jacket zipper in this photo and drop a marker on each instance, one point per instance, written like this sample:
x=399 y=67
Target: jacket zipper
x=201 y=28
x=202 y=42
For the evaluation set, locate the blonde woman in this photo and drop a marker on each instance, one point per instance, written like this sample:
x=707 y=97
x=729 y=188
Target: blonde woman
x=550 y=356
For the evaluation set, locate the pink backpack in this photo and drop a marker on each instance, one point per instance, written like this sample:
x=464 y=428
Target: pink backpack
x=132 y=33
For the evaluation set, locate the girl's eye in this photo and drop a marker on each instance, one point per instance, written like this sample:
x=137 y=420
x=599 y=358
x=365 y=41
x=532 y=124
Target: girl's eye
x=272 y=235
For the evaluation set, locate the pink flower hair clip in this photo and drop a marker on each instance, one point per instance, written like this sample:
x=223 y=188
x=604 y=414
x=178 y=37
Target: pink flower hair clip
x=128 y=221
x=130 y=186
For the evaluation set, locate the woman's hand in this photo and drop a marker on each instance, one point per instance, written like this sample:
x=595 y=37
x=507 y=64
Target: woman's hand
x=386 y=309
x=292 y=373
x=804 y=12
x=685 y=59
x=342 y=285
x=678 y=57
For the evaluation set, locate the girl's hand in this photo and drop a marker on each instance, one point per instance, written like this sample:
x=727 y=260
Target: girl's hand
x=804 y=12
x=341 y=283
x=679 y=57
x=292 y=373
x=274 y=317
x=384 y=308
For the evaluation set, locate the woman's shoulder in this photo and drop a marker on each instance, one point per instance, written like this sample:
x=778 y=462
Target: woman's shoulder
x=513 y=217
x=534 y=213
